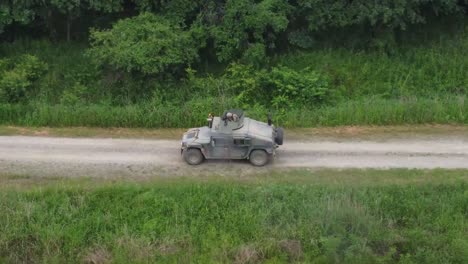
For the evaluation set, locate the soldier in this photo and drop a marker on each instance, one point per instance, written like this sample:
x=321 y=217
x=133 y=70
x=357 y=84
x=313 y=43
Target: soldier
x=210 y=120
x=235 y=117
x=229 y=116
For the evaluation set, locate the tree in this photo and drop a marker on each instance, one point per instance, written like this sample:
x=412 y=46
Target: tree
x=16 y=11
x=146 y=44
x=246 y=23
x=72 y=10
x=372 y=16
x=107 y=6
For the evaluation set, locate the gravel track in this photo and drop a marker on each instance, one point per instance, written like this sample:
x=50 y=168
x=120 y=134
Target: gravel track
x=69 y=157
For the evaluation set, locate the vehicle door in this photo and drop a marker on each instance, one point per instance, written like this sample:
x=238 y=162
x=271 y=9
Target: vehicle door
x=221 y=146
x=240 y=147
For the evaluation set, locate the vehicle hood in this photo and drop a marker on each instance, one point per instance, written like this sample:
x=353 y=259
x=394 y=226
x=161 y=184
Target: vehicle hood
x=199 y=135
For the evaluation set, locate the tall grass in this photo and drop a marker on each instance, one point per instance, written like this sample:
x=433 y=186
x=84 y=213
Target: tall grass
x=368 y=111
x=222 y=222
x=425 y=83
x=423 y=69
x=66 y=66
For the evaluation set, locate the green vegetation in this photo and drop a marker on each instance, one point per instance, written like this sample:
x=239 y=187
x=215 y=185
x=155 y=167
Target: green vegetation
x=352 y=216
x=140 y=63
x=363 y=112
x=147 y=44
x=422 y=85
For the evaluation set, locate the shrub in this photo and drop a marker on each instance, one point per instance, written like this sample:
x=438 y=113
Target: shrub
x=16 y=79
x=146 y=44
x=31 y=66
x=289 y=87
x=255 y=55
x=13 y=86
x=74 y=95
x=280 y=87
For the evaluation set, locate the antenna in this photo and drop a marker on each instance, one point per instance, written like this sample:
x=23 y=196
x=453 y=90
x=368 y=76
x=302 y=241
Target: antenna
x=269 y=117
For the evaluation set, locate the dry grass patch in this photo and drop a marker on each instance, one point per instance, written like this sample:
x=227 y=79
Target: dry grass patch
x=293 y=248
x=377 y=132
x=92 y=132
x=137 y=249
x=166 y=249
x=340 y=132
x=247 y=255
x=97 y=255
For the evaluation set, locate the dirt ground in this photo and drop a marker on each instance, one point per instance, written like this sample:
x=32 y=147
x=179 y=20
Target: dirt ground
x=401 y=147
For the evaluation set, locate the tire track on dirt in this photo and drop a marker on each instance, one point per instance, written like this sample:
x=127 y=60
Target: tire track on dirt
x=47 y=156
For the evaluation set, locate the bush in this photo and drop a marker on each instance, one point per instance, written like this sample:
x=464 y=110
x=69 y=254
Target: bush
x=13 y=86
x=75 y=95
x=31 y=66
x=297 y=88
x=280 y=87
x=146 y=44
x=16 y=79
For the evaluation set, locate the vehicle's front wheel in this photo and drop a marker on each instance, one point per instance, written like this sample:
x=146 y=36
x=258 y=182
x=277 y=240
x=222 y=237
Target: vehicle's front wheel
x=193 y=156
x=258 y=157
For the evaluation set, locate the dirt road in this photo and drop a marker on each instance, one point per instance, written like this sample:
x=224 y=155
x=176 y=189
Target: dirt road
x=47 y=156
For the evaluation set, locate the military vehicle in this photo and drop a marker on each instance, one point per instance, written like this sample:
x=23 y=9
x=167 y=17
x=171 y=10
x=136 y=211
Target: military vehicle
x=232 y=136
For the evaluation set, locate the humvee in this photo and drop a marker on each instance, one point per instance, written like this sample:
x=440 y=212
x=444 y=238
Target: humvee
x=232 y=136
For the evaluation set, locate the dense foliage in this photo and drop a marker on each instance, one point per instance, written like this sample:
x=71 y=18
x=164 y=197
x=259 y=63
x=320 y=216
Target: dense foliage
x=231 y=28
x=16 y=78
x=145 y=44
x=206 y=55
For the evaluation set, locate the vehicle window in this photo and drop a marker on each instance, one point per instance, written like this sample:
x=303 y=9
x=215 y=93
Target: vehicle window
x=191 y=135
x=241 y=141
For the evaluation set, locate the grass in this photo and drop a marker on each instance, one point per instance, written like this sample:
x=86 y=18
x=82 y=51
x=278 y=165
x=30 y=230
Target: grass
x=342 y=132
x=423 y=68
x=66 y=65
x=414 y=84
x=92 y=132
x=447 y=110
x=324 y=216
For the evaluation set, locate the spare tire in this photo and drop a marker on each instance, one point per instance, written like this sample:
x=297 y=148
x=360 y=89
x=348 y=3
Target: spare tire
x=279 y=136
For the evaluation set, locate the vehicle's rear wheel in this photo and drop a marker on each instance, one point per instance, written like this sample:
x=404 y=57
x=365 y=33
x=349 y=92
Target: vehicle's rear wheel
x=193 y=156
x=258 y=157
x=279 y=136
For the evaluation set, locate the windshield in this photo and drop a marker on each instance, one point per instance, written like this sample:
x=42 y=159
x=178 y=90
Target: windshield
x=191 y=135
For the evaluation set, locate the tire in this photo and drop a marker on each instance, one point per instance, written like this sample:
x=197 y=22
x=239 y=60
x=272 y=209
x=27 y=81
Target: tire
x=258 y=157
x=279 y=136
x=193 y=156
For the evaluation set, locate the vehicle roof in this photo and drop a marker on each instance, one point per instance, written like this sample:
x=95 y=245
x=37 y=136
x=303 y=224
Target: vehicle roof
x=248 y=127
x=244 y=127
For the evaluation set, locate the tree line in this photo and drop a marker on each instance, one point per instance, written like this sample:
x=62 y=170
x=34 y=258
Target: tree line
x=137 y=40
x=233 y=25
